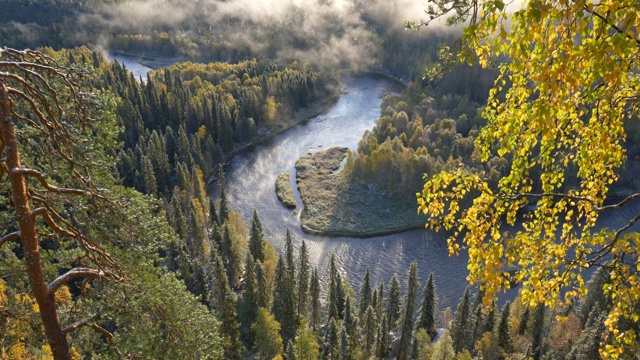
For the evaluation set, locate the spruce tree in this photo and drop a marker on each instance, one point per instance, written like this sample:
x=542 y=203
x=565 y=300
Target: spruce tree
x=460 y=322
x=290 y=262
x=382 y=341
x=256 y=239
x=263 y=286
x=330 y=346
x=283 y=307
x=213 y=215
x=369 y=328
x=524 y=320
x=427 y=318
x=476 y=319
x=303 y=282
x=588 y=345
x=489 y=320
x=345 y=346
x=248 y=305
x=407 y=321
x=223 y=303
x=365 y=294
x=537 y=331
x=351 y=325
x=332 y=305
x=380 y=309
x=290 y=354
x=393 y=302
x=230 y=259
x=504 y=336
x=223 y=214
x=314 y=292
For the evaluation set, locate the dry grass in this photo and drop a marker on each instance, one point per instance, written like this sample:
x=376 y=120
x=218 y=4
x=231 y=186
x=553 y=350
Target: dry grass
x=284 y=192
x=334 y=206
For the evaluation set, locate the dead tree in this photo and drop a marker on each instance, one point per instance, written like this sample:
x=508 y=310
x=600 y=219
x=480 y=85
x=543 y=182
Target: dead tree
x=40 y=101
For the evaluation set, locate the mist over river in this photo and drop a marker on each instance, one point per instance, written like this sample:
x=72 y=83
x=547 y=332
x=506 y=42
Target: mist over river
x=251 y=179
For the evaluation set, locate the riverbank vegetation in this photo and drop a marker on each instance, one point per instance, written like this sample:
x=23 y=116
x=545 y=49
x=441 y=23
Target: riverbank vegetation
x=335 y=206
x=284 y=191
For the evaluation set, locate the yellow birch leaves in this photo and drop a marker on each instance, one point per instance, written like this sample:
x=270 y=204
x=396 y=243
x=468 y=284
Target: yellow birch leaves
x=557 y=113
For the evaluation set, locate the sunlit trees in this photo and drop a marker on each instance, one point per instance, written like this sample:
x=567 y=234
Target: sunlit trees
x=558 y=112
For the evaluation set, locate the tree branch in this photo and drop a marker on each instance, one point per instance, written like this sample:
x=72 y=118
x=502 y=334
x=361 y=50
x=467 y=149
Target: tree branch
x=71 y=275
x=75 y=326
x=9 y=237
x=613 y=26
x=99 y=329
x=621 y=203
x=43 y=181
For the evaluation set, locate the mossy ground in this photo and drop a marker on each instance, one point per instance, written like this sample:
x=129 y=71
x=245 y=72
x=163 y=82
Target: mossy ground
x=335 y=206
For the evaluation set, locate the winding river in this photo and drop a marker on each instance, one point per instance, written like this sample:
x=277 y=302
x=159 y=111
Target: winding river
x=250 y=185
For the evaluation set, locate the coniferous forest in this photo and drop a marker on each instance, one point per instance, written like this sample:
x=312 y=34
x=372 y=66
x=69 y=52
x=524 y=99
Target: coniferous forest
x=120 y=240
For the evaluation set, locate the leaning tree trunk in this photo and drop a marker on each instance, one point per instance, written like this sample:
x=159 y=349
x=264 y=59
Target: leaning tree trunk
x=28 y=233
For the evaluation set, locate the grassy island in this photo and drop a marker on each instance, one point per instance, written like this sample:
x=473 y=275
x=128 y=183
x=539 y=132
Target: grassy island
x=334 y=206
x=284 y=192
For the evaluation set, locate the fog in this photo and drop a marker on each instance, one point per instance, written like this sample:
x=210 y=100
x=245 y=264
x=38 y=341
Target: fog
x=348 y=33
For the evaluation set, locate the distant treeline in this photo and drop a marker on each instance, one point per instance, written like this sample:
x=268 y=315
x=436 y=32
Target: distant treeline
x=369 y=38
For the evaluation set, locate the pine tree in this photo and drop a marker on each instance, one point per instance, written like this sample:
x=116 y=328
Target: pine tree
x=314 y=292
x=406 y=323
x=223 y=303
x=365 y=293
x=393 y=301
x=303 y=282
x=459 y=325
x=427 y=318
x=504 y=336
x=283 y=306
x=256 y=239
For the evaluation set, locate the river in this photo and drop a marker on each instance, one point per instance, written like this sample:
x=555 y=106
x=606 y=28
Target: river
x=251 y=179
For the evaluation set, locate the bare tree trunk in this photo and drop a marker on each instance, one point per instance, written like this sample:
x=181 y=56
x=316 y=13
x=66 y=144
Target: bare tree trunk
x=28 y=232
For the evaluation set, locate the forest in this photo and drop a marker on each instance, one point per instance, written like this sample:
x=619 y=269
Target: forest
x=120 y=241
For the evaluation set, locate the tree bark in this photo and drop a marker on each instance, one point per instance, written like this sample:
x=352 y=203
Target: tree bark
x=28 y=232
